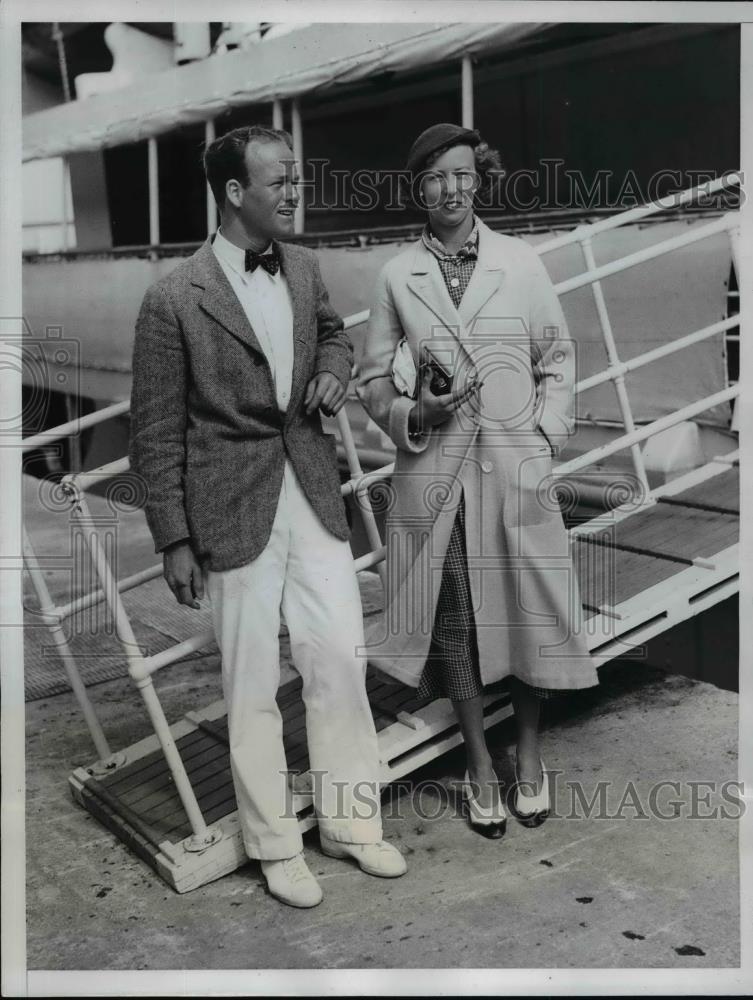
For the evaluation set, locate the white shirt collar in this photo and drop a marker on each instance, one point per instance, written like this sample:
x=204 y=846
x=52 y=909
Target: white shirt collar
x=229 y=253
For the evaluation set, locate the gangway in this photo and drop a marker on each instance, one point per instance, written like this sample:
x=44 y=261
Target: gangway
x=657 y=557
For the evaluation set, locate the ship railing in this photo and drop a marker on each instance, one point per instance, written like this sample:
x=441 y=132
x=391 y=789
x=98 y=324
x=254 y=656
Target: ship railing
x=141 y=667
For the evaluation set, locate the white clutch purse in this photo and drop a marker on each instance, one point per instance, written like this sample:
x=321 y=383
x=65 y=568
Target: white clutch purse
x=405 y=375
x=404 y=371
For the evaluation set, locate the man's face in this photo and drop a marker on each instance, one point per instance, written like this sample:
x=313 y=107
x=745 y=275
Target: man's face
x=267 y=204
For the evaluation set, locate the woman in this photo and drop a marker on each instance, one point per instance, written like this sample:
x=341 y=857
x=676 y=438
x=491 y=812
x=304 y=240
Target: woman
x=480 y=581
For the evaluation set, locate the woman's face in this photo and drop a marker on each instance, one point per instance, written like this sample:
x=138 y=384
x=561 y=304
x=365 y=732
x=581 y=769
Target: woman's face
x=449 y=185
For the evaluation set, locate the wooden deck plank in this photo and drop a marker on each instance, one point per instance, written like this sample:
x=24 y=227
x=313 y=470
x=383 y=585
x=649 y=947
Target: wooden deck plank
x=160 y=802
x=693 y=536
x=694 y=533
x=612 y=576
x=215 y=806
x=299 y=764
x=221 y=793
x=596 y=574
x=209 y=793
x=289 y=692
x=722 y=490
x=684 y=532
x=658 y=523
x=174 y=821
x=136 y=771
x=297 y=752
x=136 y=795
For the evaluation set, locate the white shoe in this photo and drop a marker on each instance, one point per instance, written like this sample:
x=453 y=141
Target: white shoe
x=291 y=881
x=490 y=821
x=532 y=810
x=375 y=859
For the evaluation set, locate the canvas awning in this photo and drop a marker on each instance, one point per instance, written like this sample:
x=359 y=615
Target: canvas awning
x=316 y=57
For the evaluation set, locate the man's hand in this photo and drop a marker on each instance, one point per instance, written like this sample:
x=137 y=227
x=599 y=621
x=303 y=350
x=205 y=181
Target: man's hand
x=183 y=574
x=325 y=392
x=431 y=410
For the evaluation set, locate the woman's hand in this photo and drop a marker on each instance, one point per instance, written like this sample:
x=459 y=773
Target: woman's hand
x=430 y=410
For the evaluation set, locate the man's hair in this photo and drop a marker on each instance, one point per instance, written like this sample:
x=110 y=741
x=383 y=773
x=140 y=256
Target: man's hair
x=225 y=158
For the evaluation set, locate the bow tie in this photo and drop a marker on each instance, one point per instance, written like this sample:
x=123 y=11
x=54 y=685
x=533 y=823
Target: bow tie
x=269 y=261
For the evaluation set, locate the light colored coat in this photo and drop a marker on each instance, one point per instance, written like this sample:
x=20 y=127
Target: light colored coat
x=510 y=329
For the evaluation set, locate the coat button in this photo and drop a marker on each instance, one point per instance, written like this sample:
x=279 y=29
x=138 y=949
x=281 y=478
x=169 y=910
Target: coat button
x=486 y=466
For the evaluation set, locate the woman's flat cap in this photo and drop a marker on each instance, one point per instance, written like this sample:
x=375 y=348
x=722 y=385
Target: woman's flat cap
x=434 y=138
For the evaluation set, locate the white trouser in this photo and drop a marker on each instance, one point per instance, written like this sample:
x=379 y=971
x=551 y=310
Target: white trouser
x=308 y=574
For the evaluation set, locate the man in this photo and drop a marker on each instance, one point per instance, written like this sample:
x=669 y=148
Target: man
x=236 y=352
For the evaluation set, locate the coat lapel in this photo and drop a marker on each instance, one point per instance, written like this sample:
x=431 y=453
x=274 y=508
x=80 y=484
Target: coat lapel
x=488 y=275
x=427 y=284
x=219 y=300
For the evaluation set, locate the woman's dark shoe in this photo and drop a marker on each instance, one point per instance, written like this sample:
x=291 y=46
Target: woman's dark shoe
x=489 y=821
x=532 y=810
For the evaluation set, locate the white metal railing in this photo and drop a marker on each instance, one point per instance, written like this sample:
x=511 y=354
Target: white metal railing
x=141 y=668
x=73 y=427
x=631 y=215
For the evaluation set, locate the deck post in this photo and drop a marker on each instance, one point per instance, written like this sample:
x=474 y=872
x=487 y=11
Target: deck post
x=277 y=113
x=645 y=432
x=613 y=359
x=466 y=85
x=209 y=137
x=734 y=241
x=297 y=133
x=153 y=192
x=361 y=498
x=66 y=175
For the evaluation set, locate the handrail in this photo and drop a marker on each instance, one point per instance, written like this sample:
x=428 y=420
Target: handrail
x=72 y=427
x=647 y=431
x=657 y=352
x=722 y=225
x=641 y=212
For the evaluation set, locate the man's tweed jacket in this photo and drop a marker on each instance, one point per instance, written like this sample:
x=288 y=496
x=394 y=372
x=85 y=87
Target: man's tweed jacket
x=206 y=432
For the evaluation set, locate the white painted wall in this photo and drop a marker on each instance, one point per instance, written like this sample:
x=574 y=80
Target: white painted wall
x=44 y=205
x=47 y=213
